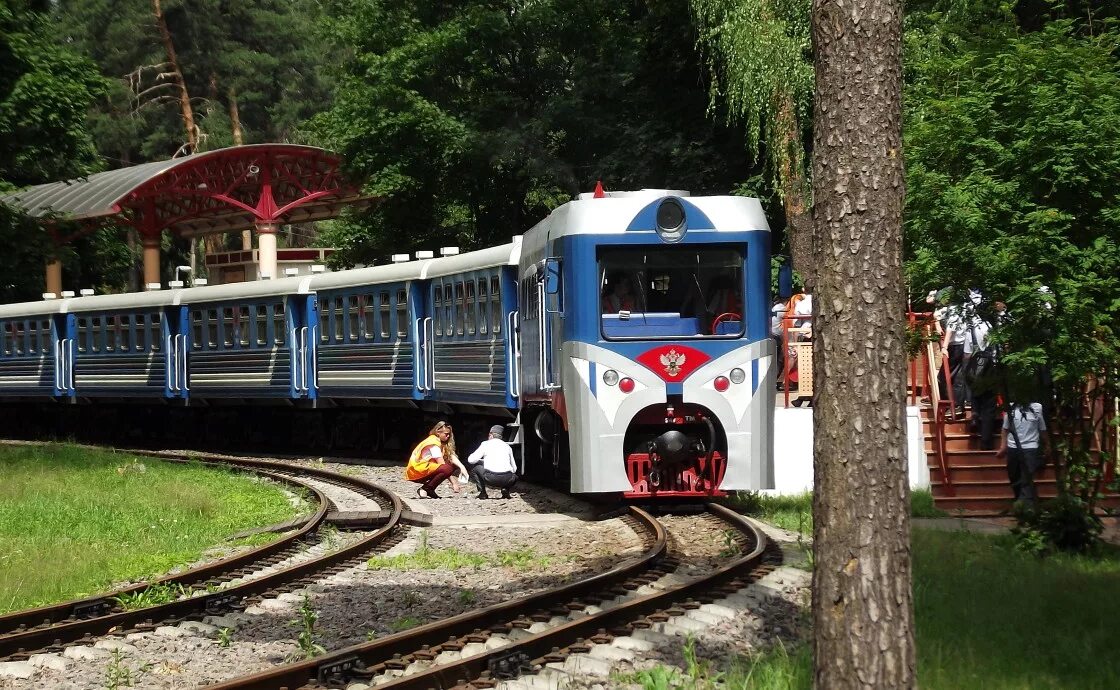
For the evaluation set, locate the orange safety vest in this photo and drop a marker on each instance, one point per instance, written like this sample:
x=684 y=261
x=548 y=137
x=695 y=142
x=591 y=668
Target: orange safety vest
x=420 y=467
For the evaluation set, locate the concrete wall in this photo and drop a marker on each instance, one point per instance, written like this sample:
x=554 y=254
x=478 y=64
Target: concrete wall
x=793 y=450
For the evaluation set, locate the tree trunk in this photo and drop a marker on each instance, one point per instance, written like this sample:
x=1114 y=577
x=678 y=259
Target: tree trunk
x=177 y=74
x=234 y=118
x=862 y=608
x=799 y=226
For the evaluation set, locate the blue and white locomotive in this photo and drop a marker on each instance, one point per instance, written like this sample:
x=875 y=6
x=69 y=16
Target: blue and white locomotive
x=625 y=338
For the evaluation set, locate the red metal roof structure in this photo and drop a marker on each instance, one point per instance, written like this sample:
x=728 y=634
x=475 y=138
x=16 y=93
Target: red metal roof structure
x=260 y=185
x=216 y=191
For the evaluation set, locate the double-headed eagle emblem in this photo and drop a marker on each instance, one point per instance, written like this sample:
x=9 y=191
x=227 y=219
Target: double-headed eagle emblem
x=673 y=362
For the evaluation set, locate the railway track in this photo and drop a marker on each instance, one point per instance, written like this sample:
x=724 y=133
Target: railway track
x=223 y=586
x=495 y=645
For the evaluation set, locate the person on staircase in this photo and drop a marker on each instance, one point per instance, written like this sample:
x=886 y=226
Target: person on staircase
x=1024 y=443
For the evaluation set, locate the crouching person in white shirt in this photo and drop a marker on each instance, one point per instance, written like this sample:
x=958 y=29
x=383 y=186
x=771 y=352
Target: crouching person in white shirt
x=493 y=464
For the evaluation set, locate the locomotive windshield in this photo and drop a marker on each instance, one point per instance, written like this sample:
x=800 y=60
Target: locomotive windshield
x=671 y=292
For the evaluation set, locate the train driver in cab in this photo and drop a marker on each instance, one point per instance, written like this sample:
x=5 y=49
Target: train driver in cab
x=619 y=294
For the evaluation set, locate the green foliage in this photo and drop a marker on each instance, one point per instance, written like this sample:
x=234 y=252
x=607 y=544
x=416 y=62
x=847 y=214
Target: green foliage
x=760 y=54
x=472 y=121
x=921 y=505
x=306 y=639
x=1013 y=149
x=155 y=594
x=45 y=91
x=117 y=674
x=1064 y=523
x=225 y=637
x=467 y=597
x=402 y=624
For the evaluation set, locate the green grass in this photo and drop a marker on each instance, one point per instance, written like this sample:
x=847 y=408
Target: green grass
x=73 y=521
x=427 y=558
x=988 y=616
x=793 y=513
x=921 y=505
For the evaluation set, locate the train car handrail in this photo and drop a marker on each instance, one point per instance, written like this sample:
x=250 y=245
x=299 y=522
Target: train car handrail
x=303 y=358
x=514 y=355
x=58 y=364
x=421 y=360
x=429 y=353
x=181 y=353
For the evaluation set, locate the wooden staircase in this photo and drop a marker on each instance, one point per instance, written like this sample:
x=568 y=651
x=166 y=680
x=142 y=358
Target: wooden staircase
x=978 y=483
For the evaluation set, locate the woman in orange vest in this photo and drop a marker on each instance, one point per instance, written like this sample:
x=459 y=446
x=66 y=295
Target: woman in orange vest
x=430 y=462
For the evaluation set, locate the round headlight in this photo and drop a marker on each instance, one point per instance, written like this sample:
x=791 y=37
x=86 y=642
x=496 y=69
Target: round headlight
x=610 y=377
x=738 y=375
x=670 y=220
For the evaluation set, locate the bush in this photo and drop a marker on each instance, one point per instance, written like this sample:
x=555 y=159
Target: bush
x=1066 y=523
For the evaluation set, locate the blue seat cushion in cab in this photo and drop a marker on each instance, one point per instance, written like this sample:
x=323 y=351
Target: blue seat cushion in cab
x=650 y=325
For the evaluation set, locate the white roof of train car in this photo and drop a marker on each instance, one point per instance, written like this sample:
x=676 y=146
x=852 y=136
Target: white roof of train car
x=506 y=254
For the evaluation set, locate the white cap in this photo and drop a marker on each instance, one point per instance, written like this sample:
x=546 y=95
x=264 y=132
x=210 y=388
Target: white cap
x=152 y=286
x=399 y=258
x=291 y=271
x=199 y=282
x=67 y=293
x=425 y=254
x=318 y=268
x=49 y=295
x=86 y=292
x=174 y=283
x=448 y=251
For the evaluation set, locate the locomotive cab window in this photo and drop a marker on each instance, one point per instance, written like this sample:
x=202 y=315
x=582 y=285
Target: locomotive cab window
x=671 y=292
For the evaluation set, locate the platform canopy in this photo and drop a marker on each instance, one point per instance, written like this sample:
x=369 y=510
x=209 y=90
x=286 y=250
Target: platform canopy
x=216 y=191
x=240 y=188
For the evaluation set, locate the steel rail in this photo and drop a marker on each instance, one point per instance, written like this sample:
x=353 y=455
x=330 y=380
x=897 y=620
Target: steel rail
x=382 y=650
x=548 y=642
x=223 y=599
x=93 y=605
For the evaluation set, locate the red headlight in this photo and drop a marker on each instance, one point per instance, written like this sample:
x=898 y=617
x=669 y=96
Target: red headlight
x=626 y=385
x=721 y=383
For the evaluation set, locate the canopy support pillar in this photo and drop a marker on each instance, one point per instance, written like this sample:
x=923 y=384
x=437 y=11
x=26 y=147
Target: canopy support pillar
x=266 y=244
x=54 y=276
x=151 y=259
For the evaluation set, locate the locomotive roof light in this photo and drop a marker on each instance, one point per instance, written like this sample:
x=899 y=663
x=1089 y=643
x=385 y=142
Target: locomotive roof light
x=671 y=221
